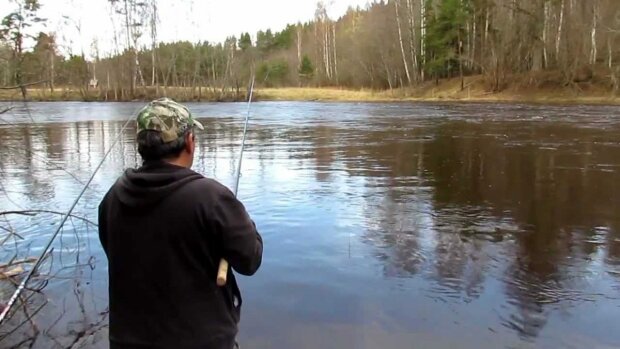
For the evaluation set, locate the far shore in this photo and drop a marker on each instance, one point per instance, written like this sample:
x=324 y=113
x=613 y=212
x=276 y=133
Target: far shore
x=446 y=91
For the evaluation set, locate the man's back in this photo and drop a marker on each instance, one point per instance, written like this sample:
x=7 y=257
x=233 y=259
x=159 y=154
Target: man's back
x=164 y=229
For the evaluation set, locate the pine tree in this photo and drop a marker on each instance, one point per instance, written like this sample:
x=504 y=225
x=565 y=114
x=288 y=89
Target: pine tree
x=445 y=32
x=245 y=41
x=306 y=69
x=13 y=31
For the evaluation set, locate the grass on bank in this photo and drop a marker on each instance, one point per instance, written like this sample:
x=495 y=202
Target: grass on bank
x=541 y=88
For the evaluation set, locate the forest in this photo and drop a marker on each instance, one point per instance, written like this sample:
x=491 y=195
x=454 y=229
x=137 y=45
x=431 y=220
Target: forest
x=394 y=44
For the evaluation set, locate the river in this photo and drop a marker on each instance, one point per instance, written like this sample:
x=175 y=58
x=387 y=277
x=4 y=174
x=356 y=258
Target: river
x=386 y=225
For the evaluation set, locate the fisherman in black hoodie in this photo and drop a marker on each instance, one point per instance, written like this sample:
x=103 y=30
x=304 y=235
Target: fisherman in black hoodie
x=164 y=229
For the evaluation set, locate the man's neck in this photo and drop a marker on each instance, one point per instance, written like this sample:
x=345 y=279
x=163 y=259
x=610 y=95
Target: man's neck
x=178 y=162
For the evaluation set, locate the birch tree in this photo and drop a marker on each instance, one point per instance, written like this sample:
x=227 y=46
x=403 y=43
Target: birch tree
x=400 y=40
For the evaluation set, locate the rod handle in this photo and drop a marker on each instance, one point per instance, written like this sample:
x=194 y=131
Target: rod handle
x=222 y=272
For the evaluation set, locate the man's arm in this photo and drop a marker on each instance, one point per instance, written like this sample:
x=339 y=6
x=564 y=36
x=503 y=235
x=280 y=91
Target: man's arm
x=103 y=231
x=242 y=245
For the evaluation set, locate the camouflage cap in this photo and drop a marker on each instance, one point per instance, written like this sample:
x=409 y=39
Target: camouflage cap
x=168 y=117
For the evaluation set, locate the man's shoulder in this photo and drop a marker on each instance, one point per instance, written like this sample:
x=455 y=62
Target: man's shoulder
x=208 y=185
x=111 y=191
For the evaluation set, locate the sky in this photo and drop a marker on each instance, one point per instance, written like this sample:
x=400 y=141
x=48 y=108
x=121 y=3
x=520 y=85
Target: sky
x=193 y=20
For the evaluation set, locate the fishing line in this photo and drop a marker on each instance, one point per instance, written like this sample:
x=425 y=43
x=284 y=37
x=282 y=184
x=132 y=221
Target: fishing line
x=39 y=260
x=222 y=271
x=245 y=130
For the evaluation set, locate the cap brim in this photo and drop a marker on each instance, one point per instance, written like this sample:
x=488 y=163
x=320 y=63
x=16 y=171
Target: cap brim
x=198 y=125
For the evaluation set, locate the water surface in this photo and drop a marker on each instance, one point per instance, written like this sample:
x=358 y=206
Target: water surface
x=386 y=225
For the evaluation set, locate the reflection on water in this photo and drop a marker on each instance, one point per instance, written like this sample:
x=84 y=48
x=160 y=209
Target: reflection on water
x=385 y=224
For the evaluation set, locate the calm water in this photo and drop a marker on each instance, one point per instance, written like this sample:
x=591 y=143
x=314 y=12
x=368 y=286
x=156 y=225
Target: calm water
x=385 y=225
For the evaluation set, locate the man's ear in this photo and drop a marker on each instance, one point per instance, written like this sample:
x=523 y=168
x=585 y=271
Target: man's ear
x=189 y=142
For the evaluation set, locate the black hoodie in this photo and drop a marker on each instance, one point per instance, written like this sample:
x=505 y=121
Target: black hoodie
x=164 y=229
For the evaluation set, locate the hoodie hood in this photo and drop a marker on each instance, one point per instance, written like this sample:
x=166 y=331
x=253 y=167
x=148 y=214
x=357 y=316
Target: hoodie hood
x=151 y=183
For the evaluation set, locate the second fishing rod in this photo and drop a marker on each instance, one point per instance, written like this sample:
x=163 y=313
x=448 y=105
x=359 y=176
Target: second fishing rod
x=222 y=271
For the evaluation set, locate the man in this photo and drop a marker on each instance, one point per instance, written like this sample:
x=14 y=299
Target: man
x=164 y=229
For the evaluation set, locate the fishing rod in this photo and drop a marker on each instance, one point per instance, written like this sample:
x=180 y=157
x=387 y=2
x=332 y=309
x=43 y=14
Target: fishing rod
x=222 y=271
x=39 y=261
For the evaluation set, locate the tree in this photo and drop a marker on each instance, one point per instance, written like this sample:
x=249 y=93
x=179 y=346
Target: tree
x=387 y=44
x=13 y=30
x=264 y=41
x=400 y=40
x=273 y=73
x=284 y=39
x=75 y=70
x=39 y=64
x=134 y=13
x=326 y=40
x=445 y=38
x=245 y=41
x=306 y=69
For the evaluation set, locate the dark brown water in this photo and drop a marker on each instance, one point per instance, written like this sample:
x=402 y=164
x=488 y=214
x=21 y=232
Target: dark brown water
x=385 y=225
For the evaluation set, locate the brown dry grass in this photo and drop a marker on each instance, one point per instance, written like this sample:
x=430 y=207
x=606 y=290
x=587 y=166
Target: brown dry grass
x=540 y=88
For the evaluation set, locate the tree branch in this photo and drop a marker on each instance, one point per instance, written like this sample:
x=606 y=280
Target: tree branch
x=21 y=261
x=34 y=213
x=23 y=85
x=6 y=110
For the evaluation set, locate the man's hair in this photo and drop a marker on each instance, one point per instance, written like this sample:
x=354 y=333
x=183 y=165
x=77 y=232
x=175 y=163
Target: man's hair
x=151 y=146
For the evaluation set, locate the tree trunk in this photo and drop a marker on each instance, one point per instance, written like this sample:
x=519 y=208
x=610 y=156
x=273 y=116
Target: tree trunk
x=544 y=33
x=413 y=48
x=127 y=27
x=153 y=41
x=317 y=50
x=328 y=66
x=559 y=36
x=52 y=73
x=423 y=36
x=470 y=38
x=334 y=52
x=539 y=42
x=461 y=61
x=487 y=23
x=213 y=71
x=593 y=51
x=610 y=49
x=153 y=68
x=299 y=48
x=387 y=72
x=615 y=80
x=400 y=40
x=474 y=41
x=412 y=40
x=138 y=69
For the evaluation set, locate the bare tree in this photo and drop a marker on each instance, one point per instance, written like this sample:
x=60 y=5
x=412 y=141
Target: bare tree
x=558 y=39
x=153 y=24
x=400 y=40
x=413 y=43
x=595 y=16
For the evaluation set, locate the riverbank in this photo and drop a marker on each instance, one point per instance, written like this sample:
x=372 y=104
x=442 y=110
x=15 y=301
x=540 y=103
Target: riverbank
x=475 y=89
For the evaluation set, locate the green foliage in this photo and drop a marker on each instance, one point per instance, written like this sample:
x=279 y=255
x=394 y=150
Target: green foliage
x=245 y=41
x=36 y=65
x=273 y=72
x=306 y=69
x=13 y=25
x=284 y=39
x=268 y=42
x=264 y=40
x=444 y=29
x=75 y=68
x=364 y=48
x=13 y=30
